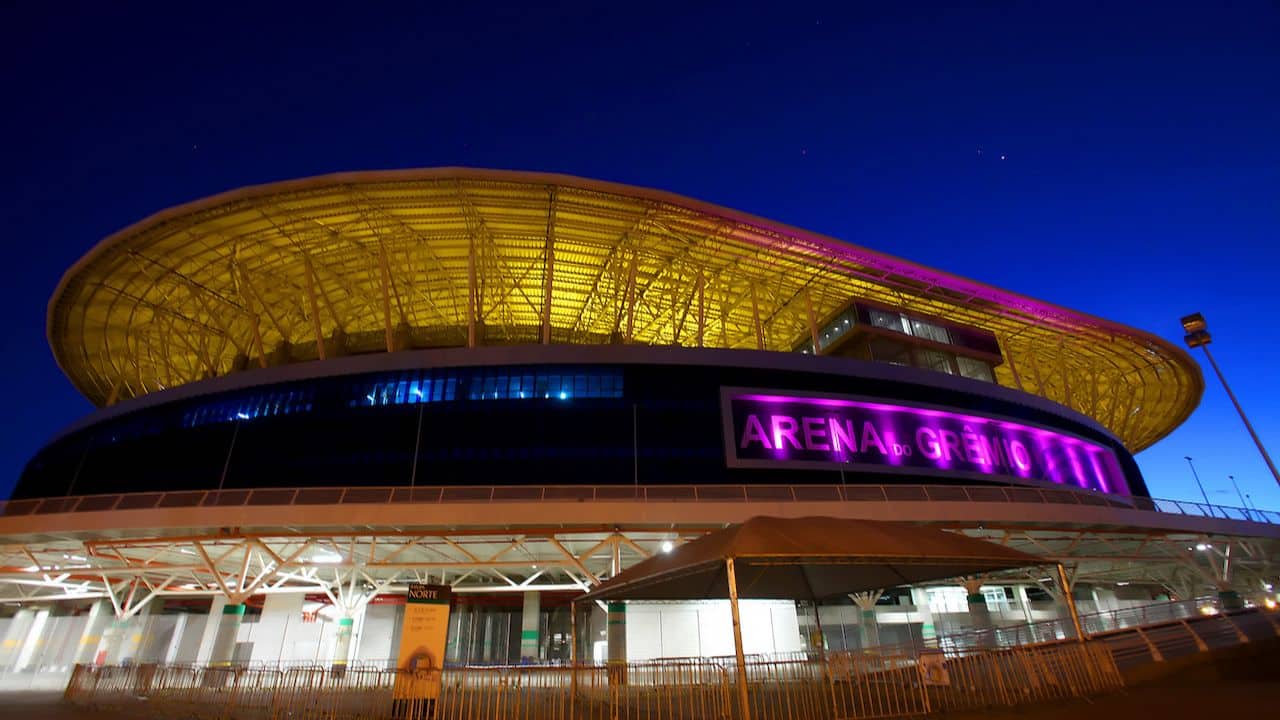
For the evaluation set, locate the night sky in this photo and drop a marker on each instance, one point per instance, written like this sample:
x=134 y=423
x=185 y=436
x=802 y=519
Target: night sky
x=1122 y=163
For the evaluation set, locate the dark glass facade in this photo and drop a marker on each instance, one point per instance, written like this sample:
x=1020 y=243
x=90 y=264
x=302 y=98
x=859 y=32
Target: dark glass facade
x=491 y=425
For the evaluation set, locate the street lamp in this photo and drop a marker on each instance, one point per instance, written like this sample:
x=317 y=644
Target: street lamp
x=1196 y=475
x=1239 y=494
x=1197 y=336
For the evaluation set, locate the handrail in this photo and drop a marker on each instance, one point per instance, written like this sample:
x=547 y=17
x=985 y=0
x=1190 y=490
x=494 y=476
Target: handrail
x=384 y=495
x=1096 y=623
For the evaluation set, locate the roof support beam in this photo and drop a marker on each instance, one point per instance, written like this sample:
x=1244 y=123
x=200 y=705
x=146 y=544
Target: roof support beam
x=755 y=314
x=386 y=297
x=702 y=308
x=549 y=268
x=473 y=291
x=315 y=307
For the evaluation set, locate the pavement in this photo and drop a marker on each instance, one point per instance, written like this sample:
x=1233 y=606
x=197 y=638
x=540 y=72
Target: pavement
x=44 y=705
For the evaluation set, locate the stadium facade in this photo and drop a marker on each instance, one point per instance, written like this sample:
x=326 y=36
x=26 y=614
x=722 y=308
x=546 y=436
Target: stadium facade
x=312 y=393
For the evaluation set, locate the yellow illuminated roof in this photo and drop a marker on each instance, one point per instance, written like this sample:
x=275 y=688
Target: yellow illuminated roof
x=379 y=261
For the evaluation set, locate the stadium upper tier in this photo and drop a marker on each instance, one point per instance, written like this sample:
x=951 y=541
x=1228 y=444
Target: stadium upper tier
x=383 y=261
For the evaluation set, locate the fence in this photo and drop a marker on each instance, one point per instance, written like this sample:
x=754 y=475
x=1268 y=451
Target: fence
x=847 y=685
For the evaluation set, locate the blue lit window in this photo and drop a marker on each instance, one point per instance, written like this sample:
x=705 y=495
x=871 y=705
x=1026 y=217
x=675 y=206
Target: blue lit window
x=249 y=407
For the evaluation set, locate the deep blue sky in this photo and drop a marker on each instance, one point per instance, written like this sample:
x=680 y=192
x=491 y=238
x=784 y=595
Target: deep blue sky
x=1141 y=146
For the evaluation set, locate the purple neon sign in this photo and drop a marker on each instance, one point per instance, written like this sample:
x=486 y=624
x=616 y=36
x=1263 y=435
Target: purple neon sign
x=772 y=430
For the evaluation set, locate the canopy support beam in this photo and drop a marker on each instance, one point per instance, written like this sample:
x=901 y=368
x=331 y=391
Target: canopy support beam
x=744 y=708
x=1067 y=597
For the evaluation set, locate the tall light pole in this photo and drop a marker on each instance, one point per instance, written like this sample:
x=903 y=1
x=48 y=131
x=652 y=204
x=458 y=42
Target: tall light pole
x=1197 y=336
x=1239 y=494
x=1196 y=475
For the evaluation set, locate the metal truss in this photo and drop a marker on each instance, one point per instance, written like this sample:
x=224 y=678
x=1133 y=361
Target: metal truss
x=358 y=263
x=1185 y=564
x=351 y=568
x=348 y=568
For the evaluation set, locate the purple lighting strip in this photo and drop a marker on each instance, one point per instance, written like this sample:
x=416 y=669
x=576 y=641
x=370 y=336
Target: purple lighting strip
x=768 y=430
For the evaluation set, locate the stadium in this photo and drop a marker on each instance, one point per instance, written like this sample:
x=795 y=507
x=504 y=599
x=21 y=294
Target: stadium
x=313 y=393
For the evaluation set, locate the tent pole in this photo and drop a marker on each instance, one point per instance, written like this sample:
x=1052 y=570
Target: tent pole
x=573 y=658
x=1068 y=598
x=822 y=635
x=744 y=710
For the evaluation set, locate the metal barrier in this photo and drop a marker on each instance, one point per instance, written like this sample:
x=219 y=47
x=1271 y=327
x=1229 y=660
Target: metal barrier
x=260 y=497
x=1177 y=638
x=1046 y=631
x=848 y=685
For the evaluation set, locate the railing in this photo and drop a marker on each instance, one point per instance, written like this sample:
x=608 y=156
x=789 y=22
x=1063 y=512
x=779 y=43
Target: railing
x=1060 y=629
x=847 y=685
x=1149 y=633
x=263 y=497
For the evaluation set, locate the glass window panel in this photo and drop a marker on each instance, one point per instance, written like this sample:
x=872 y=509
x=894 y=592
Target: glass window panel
x=935 y=360
x=889 y=351
x=887 y=320
x=975 y=369
x=929 y=331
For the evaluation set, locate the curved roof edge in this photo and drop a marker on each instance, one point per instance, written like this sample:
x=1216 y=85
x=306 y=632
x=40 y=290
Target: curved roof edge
x=1044 y=313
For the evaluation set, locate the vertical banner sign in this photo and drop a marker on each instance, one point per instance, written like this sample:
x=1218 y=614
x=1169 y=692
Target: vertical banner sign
x=422 y=642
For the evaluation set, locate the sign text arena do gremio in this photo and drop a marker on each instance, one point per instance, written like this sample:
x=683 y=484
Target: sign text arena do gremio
x=770 y=430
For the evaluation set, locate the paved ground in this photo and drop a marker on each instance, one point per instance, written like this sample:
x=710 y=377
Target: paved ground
x=1241 y=682
x=37 y=705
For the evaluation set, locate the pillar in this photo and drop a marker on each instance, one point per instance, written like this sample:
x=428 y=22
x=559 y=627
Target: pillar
x=1025 y=602
x=979 y=615
x=617 y=632
x=342 y=642
x=868 y=623
x=920 y=598
x=210 y=631
x=530 y=622
x=14 y=637
x=224 y=640
x=134 y=632
x=281 y=612
x=34 y=638
x=1229 y=599
x=113 y=635
x=100 y=613
x=175 y=640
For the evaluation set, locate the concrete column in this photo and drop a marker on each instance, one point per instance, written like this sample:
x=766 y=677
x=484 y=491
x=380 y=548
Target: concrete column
x=224 y=641
x=34 y=639
x=617 y=632
x=100 y=613
x=113 y=636
x=979 y=615
x=920 y=598
x=210 y=632
x=14 y=637
x=280 y=613
x=136 y=631
x=342 y=642
x=175 y=640
x=868 y=623
x=530 y=623
x=1025 y=603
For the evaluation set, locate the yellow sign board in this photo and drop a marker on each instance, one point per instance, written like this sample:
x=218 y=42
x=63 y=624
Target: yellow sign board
x=422 y=641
